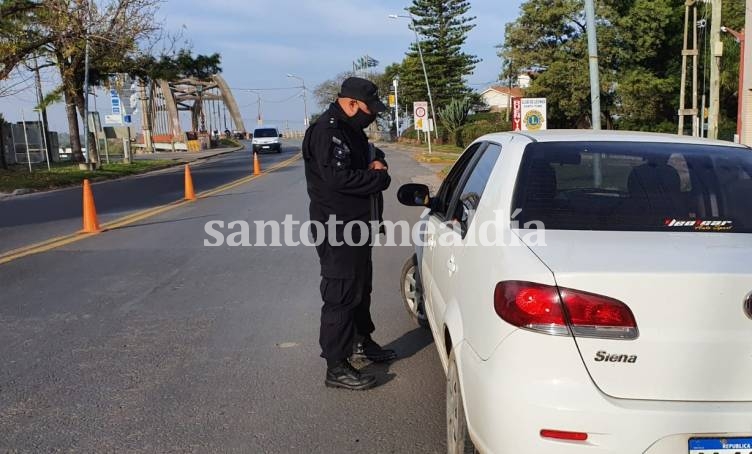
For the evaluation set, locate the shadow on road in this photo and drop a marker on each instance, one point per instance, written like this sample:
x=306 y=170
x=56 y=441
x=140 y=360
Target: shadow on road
x=406 y=346
x=168 y=221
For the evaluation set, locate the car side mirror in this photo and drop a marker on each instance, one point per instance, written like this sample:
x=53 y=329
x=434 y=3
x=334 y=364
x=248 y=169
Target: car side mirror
x=414 y=195
x=280 y=135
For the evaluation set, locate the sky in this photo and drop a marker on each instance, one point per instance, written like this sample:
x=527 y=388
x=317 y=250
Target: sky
x=261 y=41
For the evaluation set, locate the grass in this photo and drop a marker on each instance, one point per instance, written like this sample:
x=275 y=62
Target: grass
x=437 y=158
x=66 y=174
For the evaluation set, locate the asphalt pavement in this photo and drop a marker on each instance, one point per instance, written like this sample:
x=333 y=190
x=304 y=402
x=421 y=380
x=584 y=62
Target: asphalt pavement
x=30 y=218
x=142 y=339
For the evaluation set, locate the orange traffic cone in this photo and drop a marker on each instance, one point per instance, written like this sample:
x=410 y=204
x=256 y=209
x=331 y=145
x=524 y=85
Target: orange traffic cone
x=256 y=165
x=189 y=194
x=91 y=225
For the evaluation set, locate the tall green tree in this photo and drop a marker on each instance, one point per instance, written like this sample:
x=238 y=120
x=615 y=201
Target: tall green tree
x=443 y=26
x=639 y=43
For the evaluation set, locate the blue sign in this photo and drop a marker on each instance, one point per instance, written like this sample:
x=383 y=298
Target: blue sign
x=127 y=119
x=731 y=445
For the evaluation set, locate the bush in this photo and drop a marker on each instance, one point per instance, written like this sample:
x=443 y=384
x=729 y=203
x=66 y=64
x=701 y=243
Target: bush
x=225 y=142
x=472 y=131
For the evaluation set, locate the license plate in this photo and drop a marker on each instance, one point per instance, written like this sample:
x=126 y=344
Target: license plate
x=720 y=445
x=265 y=146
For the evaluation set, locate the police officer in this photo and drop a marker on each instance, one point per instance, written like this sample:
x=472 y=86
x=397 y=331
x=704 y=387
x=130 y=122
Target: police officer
x=345 y=176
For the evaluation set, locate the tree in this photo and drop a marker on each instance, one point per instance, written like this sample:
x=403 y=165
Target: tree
x=639 y=44
x=18 y=38
x=326 y=92
x=60 y=31
x=443 y=26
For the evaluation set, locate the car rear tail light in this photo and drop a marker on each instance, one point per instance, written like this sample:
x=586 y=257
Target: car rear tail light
x=563 y=435
x=562 y=312
x=530 y=306
x=598 y=316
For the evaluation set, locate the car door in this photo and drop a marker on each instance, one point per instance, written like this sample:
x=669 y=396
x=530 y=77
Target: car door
x=448 y=266
x=436 y=219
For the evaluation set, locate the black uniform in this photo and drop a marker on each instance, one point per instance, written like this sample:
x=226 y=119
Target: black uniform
x=337 y=157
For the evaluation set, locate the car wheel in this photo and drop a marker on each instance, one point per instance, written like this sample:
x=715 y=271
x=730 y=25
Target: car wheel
x=410 y=291
x=458 y=437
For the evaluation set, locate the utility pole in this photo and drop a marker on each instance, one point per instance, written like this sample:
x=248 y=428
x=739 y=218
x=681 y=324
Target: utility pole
x=395 y=81
x=595 y=86
x=509 y=95
x=145 y=117
x=687 y=52
x=42 y=110
x=716 y=46
x=745 y=91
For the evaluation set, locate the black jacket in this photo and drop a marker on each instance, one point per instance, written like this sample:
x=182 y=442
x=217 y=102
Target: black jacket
x=340 y=184
x=336 y=167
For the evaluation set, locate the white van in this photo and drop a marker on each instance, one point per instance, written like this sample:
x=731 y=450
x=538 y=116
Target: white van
x=266 y=139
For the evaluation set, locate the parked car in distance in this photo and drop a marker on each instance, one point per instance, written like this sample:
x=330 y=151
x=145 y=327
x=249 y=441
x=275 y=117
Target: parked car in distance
x=266 y=139
x=608 y=308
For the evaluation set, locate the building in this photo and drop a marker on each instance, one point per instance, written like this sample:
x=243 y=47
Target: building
x=498 y=98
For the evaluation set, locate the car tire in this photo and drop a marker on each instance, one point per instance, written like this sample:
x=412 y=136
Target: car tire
x=458 y=436
x=410 y=292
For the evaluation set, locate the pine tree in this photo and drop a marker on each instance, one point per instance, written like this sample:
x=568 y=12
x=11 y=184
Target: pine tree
x=443 y=26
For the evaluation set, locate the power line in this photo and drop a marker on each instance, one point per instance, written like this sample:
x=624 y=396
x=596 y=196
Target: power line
x=265 y=89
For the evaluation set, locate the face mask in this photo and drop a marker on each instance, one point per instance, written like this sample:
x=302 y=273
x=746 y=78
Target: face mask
x=361 y=120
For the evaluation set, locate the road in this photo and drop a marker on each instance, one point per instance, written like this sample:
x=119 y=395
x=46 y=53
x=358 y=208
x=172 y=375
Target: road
x=54 y=213
x=142 y=339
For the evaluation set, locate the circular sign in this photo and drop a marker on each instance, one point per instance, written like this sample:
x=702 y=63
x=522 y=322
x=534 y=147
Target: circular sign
x=533 y=120
x=420 y=112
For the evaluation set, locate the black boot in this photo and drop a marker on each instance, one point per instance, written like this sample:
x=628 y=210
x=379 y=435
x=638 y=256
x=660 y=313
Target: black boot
x=369 y=349
x=343 y=375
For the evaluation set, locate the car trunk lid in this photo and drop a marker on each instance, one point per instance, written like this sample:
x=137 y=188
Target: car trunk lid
x=687 y=292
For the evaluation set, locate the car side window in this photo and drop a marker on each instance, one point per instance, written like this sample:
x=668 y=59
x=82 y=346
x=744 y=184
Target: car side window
x=453 y=179
x=468 y=199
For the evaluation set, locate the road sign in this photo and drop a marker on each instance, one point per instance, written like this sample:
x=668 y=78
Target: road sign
x=115 y=102
x=113 y=119
x=391 y=100
x=517 y=114
x=529 y=114
x=420 y=114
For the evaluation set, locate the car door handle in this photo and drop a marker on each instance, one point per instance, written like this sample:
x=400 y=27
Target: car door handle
x=451 y=266
x=430 y=242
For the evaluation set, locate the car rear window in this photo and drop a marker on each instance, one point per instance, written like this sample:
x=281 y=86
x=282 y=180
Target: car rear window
x=266 y=132
x=635 y=186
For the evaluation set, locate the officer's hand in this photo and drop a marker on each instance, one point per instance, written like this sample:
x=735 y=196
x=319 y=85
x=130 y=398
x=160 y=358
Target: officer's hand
x=377 y=165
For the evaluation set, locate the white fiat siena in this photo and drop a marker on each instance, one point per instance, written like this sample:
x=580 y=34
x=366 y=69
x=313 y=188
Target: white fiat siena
x=590 y=293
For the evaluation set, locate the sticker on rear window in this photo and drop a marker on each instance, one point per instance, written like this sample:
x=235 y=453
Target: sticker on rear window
x=700 y=225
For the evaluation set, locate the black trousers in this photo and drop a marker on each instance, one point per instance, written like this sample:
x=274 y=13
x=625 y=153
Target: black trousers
x=346 y=313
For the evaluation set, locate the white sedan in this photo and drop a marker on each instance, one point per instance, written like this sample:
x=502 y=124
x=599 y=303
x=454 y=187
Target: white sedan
x=590 y=292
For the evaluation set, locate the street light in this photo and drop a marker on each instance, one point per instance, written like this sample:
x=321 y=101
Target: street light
x=395 y=82
x=305 y=102
x=422 y=63
x=740 y=37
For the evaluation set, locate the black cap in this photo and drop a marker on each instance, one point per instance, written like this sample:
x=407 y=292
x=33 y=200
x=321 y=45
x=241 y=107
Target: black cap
x=363 y=90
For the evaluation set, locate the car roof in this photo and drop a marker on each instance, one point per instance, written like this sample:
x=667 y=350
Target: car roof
x=264 y=127
x=584 y=135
